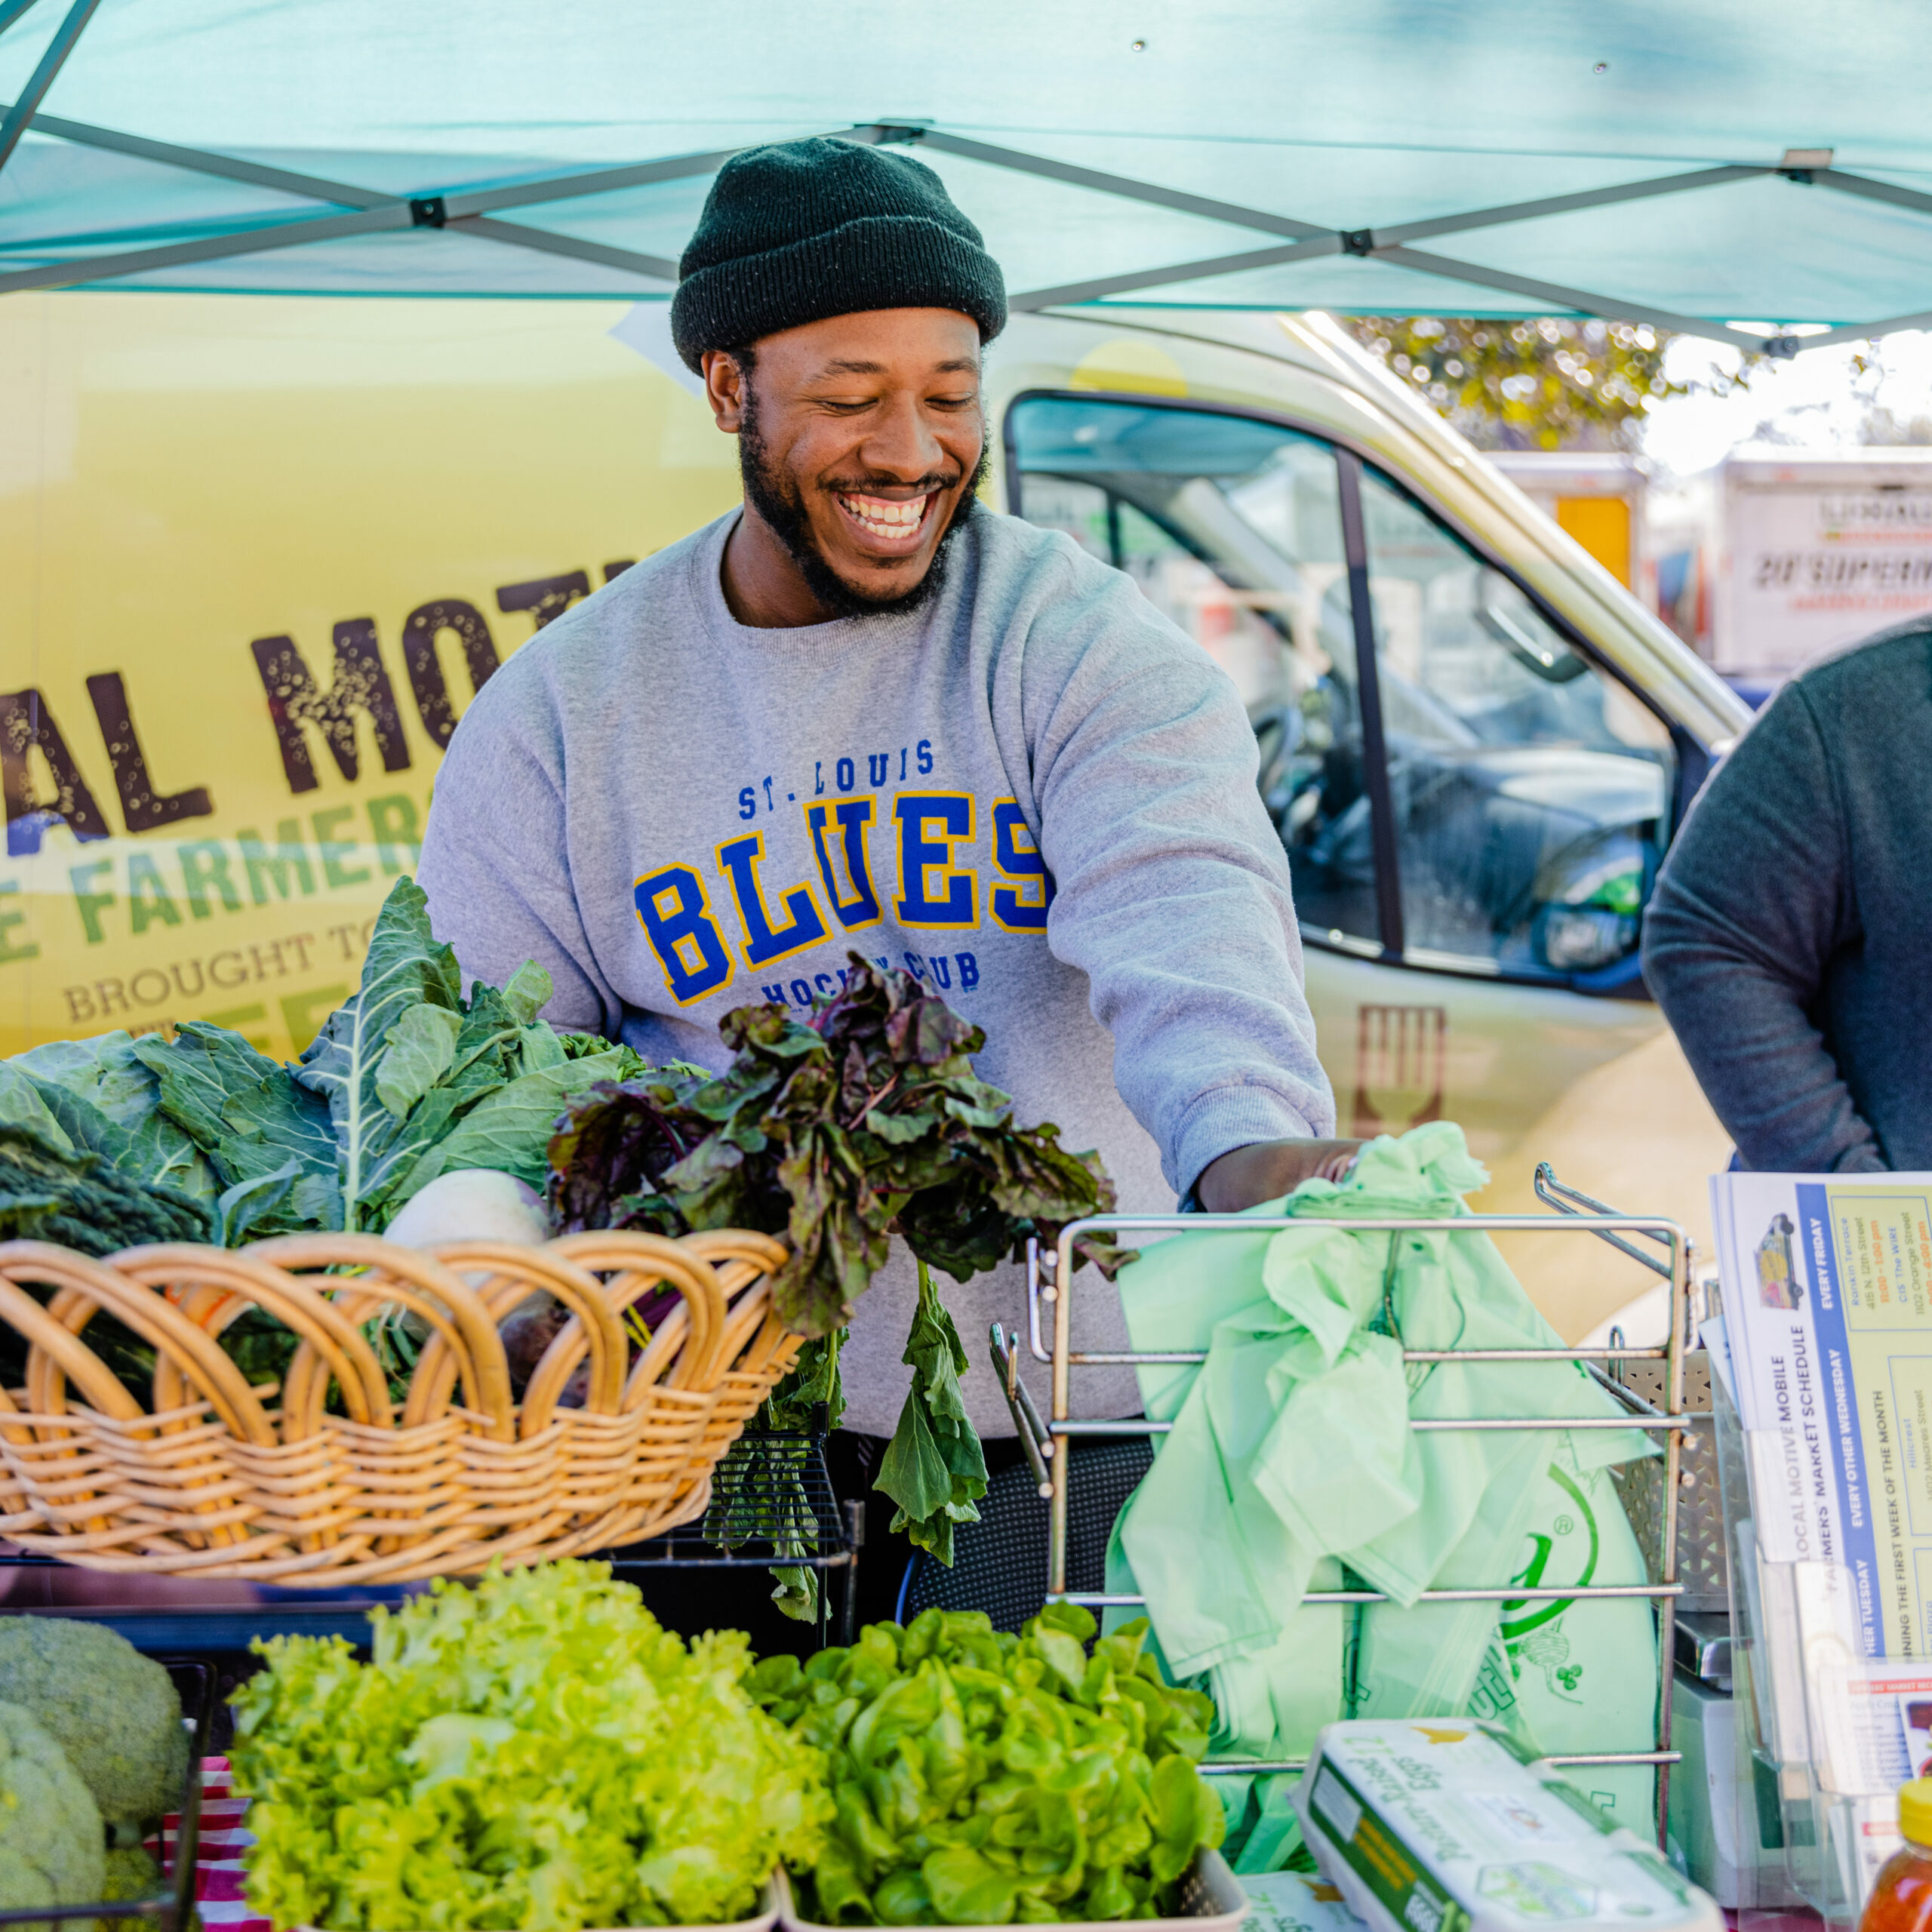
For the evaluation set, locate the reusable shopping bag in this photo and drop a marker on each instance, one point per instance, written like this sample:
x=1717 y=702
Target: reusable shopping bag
x=1291 y=1466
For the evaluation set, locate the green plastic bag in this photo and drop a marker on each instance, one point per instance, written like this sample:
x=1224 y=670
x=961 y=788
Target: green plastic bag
x=1291 y=1467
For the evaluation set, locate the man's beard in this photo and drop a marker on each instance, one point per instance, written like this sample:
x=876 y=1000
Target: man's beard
x=775 y=496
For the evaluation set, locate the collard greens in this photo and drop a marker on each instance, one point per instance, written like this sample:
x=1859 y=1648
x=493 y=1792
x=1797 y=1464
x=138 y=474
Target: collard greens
x=980 y=1778
x=406 y=1081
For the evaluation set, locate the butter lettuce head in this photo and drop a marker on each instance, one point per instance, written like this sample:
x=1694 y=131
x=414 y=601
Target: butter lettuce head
x=981 y=1778
x=534 y=1753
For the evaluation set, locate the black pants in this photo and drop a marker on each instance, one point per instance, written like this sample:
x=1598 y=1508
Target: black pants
x=854 y=1460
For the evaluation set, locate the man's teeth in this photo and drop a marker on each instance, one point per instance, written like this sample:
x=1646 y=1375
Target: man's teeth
x=884 y=518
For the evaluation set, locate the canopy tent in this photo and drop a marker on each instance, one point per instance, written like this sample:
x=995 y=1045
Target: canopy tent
x=1700 y=165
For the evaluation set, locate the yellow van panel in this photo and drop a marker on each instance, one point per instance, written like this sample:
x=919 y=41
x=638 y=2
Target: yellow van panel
x=214 y=508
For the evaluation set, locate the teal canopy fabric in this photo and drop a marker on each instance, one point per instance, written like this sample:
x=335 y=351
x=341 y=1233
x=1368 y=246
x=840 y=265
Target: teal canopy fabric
x=1225 y=153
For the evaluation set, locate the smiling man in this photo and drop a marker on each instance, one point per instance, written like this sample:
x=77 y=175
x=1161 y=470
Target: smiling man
x=865 y=713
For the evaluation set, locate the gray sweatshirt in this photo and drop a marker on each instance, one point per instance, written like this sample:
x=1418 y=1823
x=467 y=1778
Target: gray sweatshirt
x=1034 y=793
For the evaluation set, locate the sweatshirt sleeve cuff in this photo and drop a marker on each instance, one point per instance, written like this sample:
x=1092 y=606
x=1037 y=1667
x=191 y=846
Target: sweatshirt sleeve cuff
x=1227 y=1118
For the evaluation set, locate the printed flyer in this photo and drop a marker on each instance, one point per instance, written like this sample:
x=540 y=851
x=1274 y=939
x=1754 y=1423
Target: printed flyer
x=1828 y=1302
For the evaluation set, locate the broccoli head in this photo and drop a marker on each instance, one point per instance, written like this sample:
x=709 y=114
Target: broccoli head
x=113 y=1711
x=131 y=1874
x=53 y=1850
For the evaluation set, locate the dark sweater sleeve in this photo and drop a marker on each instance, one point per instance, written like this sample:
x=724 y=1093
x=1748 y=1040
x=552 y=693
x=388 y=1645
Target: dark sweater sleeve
x=1752 y=902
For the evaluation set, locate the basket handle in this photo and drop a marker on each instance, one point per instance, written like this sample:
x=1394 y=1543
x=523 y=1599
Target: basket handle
x=98 y=1384
x=152 y=1315
x=640 y=1262
x=420 y=1282
x=757 y=1256
x=242 y=1278
x=700 y=1310
x=750 y=1261
x=595 y=1325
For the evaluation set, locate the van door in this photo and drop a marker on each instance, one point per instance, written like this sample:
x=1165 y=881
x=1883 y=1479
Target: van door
x=1473 y=809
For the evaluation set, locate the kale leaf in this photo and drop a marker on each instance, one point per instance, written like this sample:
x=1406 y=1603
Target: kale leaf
x=74 y=1196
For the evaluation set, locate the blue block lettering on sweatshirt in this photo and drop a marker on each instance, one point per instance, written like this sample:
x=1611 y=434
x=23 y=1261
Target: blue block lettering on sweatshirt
x=1019 y=906
x=933 y=891
x=844 y=863
x=676 y=917
x=945 y=972
x=767 y=939
x=800 y=992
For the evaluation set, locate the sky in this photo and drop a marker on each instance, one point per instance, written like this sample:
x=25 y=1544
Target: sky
x=1819 y=400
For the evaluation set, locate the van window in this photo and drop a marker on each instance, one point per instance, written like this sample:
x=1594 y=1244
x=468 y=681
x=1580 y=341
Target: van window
x=1530 y=793
x=1232 y=528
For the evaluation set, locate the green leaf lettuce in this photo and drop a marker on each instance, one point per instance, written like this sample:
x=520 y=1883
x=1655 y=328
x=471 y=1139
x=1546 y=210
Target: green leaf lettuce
x=535 y=1752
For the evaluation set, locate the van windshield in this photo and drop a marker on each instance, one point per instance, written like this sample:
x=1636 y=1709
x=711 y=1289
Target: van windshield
x=1529 y=792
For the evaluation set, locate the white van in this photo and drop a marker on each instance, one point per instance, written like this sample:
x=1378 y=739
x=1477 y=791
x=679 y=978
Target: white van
x=259 y=550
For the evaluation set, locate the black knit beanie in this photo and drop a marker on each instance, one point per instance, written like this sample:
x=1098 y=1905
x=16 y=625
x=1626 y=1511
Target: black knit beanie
x=806 y=229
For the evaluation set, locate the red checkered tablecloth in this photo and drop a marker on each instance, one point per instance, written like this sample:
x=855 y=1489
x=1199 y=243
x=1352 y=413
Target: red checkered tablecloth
x=224 y=1838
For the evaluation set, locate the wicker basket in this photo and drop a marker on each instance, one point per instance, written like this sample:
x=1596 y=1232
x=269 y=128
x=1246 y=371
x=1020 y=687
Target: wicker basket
x=222 y=1480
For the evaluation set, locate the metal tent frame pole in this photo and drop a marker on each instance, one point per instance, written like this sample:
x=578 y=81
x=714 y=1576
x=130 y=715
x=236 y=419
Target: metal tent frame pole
x=471 y=212
x=11 y=11
x=14 y=123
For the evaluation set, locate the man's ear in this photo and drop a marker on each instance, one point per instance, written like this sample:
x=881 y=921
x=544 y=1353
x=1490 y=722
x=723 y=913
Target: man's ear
x=724 y=389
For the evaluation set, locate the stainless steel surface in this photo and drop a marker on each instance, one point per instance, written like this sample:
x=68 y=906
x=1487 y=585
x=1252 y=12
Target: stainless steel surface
x=1051 y=1278
x=1702 y=1560
x=1703 y=1645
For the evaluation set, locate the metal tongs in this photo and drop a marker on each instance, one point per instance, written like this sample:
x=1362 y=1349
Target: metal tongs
x=1035 y=1438
x=1568 y=1200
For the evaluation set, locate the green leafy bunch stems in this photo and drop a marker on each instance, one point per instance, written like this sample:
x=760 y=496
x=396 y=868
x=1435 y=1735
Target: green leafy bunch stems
x=933 y=1468
x=981 y=1778
x=839 y=1133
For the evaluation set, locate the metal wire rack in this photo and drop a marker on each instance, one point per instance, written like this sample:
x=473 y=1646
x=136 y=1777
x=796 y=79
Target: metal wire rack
x=1050 y=1284
x=772 y=1502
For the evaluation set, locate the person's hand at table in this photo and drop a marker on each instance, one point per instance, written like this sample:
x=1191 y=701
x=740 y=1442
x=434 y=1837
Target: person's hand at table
x=1268 y=1169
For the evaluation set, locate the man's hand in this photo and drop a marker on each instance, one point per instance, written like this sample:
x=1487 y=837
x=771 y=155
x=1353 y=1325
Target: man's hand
x=1267 y=1170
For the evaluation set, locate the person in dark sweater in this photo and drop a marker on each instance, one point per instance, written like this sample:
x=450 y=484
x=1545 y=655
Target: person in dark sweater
x=1790 y=941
